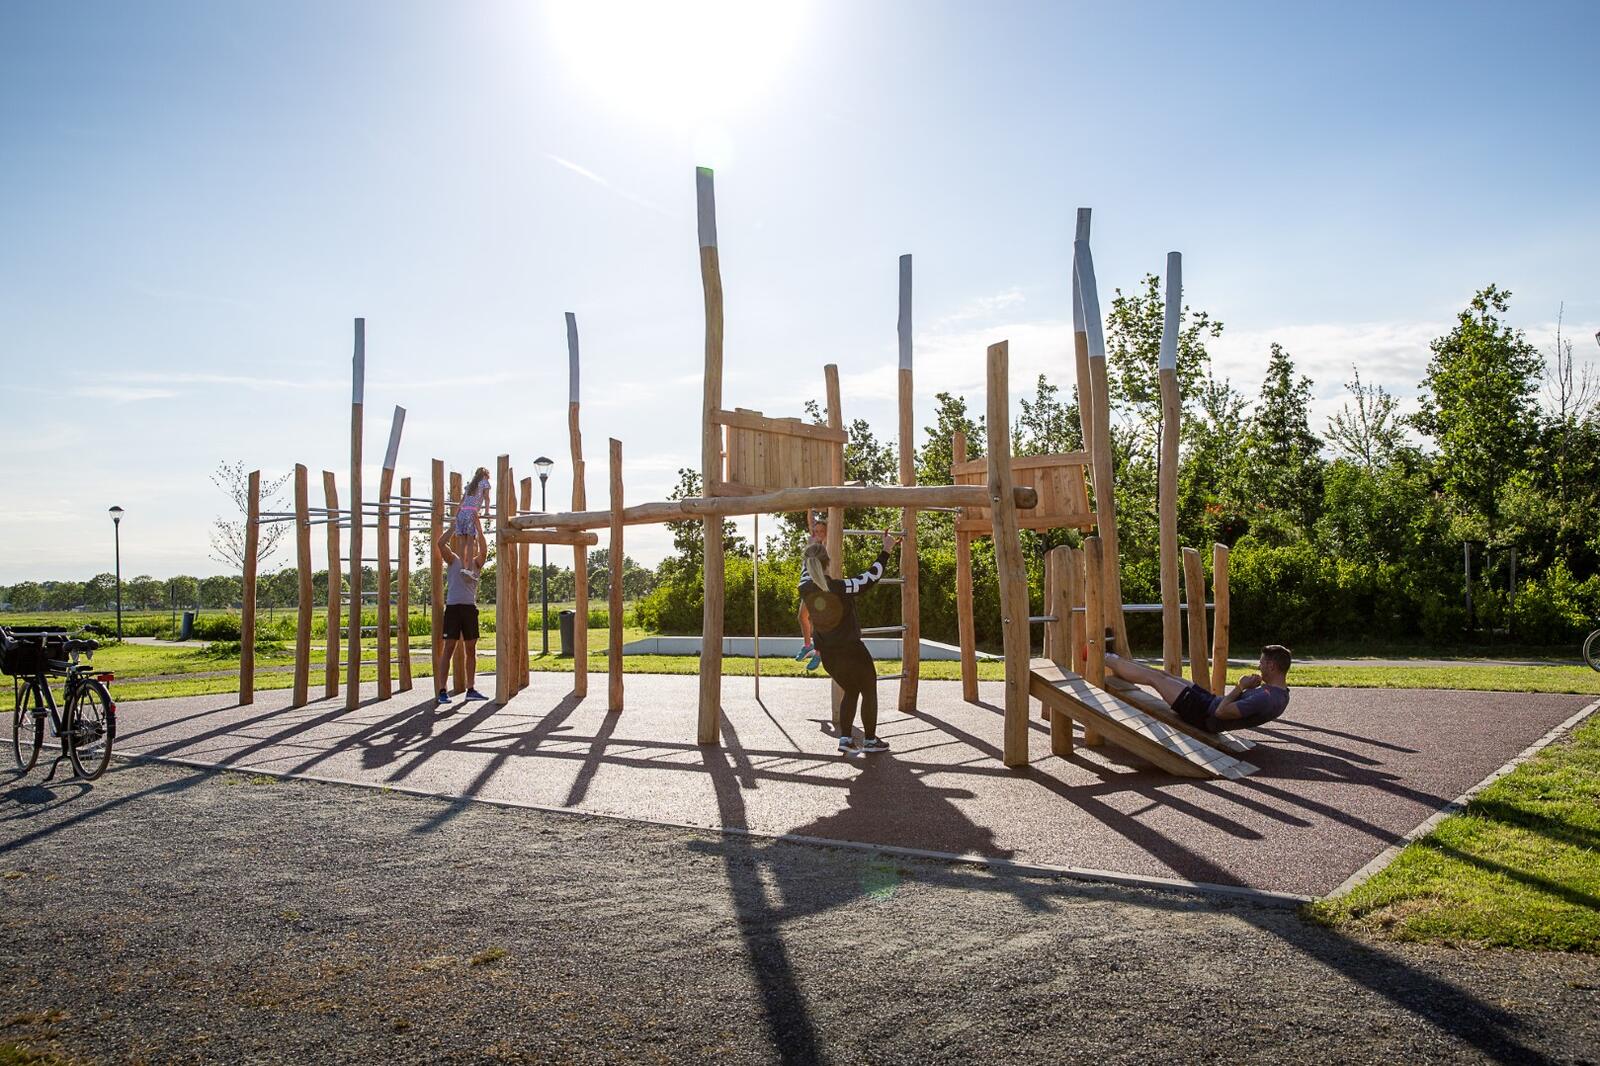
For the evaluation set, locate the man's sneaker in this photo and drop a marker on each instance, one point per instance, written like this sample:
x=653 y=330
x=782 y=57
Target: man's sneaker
x=847 y=745
x=444 y=696
x=874 y=744
x=816 y=661
x=805 y=653
x=474 y=694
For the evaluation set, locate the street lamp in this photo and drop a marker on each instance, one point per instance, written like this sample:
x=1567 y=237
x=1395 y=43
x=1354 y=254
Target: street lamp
x=116 y=532
x=543 y=465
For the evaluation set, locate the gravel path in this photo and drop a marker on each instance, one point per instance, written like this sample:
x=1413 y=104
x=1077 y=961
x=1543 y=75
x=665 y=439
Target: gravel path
x=169 y=915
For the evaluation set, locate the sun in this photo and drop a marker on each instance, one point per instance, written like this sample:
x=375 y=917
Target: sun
x=676 y=61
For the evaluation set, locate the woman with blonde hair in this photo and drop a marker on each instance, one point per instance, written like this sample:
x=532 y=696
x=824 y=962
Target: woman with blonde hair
x=836 y=633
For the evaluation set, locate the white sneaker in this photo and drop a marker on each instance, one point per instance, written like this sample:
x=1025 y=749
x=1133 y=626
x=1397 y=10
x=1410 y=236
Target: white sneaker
x=847 y=745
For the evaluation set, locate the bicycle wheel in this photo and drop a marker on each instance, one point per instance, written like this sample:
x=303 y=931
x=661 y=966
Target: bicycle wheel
x=91 y=726
x=27 y=729
x=1591 y=650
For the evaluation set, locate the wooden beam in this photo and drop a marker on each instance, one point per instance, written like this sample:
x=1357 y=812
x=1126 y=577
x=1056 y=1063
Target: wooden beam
x=582 y=539
x=505 y=576
x=1025 y=462
x=837 y=498
x=403 y=584
x=964 y=620
x=711 y=621
x=1194 y=590
x=791 y=427
x=1094 y=624
x=1072 y=586
x=436 y=526
x=1219 y=619
x=1058 y=637
x=247 y=606
x=580 y=501
x=1167 y=477
x=614 y=601
x=1080 y=343
x=910 y=590
x=385 y=579
x=458 y=662
x=835 y=540
x=304 y=607
x=352 y=684
x=524 y=589
x=1008 y=563
x=330 y=679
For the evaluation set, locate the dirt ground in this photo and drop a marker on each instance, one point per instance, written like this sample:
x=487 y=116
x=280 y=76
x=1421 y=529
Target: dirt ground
x=164 y=914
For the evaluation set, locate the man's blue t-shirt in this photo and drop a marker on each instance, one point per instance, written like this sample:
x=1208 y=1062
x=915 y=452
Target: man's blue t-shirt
x=1255 y=706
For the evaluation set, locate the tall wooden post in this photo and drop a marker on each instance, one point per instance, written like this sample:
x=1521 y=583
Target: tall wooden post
x=304 y=607
x=711 y=621
x=1167 y=489
x=580 y=502
x=505 y=576
x=330 y=680
x=403 y=581
x=1219 y=619
x=1077 y=634
x=1051 y=647
x=1058 y=636
x=436 y=526
x=1105 y=495
x=458 y=663
x=1008 y=563
x=614 y=601
x=352 y=686
x=830 y=377
x=247 y=605
x=1094 y=622
x=910 y=591
x=385 y=559
x=524 y=557
x=1080 y=346
x=964 y=621
x=1194 y=581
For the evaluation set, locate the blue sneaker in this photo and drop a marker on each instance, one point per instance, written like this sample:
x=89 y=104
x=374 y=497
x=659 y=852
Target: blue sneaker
x=805 y=653
x=816 y=661
x=474 y=694
x=444 y=697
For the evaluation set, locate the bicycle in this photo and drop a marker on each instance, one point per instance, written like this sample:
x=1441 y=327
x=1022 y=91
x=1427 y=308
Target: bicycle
x=86 y=719
x=1591 y=650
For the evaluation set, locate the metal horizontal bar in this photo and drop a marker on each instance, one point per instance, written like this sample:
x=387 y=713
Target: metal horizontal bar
x=890 y=677
x=891 y=581
x=873 y=631
x=1154 y=608
x=873 y=532
x=1043 y=618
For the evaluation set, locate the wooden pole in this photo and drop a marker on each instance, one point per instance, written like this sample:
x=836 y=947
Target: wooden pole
x=1219 y=618
x=614 y=601
x=1105 y=495
x=305 y=607
x=330 y=680
x=458 y=662
x=964 y=621
x=910 y=592
x=524 y=590
x=436 y=526
x=1080 y=344
x=1072 y=585
x=830 y=378
x=1008 y=560
x=580 y=501
x=385 y=577
x=1050 y=648
x=1194 y=581
x=352 y=685
x=1167 y=491
x=403 y=581
x=711 y=464
x=1094 y=658
x=1058 y=635
x=505 y=578
x=247 y=604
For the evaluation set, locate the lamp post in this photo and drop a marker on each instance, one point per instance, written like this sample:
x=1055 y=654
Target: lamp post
x=543 y=465
x=116 y=532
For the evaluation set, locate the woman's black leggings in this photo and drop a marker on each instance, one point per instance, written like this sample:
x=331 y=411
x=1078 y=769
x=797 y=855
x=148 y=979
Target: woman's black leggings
x=851 y=666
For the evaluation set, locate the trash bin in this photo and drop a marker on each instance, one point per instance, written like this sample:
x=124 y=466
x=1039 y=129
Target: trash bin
x=187 y=631
x=568 y=619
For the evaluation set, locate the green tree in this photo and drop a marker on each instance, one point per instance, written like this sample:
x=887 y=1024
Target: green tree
x=220 y=591
x=1479 y=408
x=1211 y=488
x=1046 y=426
x=1368 y=429
x=100 y=592
x=1134 y=325
x=935 y=457
x=26 y=596
x=143 y=593
x=183 y=590
x=1283 y=456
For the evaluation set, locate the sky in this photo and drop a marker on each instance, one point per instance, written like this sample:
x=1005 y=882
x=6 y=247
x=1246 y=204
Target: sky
x=197 y=199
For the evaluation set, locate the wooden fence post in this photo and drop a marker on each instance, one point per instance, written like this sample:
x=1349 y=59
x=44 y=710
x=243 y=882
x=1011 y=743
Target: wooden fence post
x=1058 y=635
x=464 y=676
x=247 y=603
x=304 y=606
x=1219 y=619
x=711 y=622
x=830 y=379
x=910 y=591
x=330 y=680
x=614 y=601
x=1009 y=567
x=505 y=576
x=403 y=581
x=352 y=688
x=1094 y=657
x=1194 y=582
x=1167 y=490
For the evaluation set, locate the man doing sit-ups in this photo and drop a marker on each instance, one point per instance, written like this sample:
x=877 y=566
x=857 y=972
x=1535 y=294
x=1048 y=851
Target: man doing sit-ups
x=1255 y=700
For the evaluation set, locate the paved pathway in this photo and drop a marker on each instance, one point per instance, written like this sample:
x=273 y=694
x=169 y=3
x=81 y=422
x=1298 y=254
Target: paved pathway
x=1344 y=775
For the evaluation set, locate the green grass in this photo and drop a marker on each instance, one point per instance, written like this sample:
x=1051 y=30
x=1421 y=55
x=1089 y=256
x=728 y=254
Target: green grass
x=1519 y=867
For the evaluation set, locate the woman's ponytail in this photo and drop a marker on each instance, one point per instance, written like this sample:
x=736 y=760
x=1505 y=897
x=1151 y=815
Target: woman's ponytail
x=816 y=564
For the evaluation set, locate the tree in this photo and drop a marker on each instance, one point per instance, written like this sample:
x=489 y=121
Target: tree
x=183 y=590
x=228 y=533
x=1478 y=406
x=144 y=592
x=1046 y=426
x=1284 y=469
x=1371 y=431
x=950 y=415
x=1134 y=326
x=687 y=538
x=220 y=591
x=100 y=592
x=1211 y=491
x=26 y=596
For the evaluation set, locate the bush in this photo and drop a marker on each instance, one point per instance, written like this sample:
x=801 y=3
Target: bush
x=1555 y=608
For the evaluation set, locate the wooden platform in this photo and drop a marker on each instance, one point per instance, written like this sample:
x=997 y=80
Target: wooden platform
x=1127 y=727
x=1157 y=708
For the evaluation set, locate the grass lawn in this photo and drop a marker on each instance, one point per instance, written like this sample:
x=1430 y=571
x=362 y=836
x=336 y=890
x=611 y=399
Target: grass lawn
x=1519 y=867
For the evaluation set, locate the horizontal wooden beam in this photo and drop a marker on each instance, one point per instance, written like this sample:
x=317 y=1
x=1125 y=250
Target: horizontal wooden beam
x=791 y=427
x=640 y=514
x=903 y=496
x=1024 y=462
x=568 y=537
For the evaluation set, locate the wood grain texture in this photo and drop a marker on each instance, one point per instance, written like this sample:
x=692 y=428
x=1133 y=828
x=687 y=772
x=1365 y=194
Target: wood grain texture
x=1167 y=520
x=1094 y=624
x=352 y=655
x=436 y=576
x=830 y=381
x=402 y=582
x=910 y=589
x=504 y=578
x=330 y=666
x=964 y=620
x=1012 y=574
x=711 y=621
x=247 y=608
x=1058 y=602
x=385 y=584
x=614 y=602
x=1219 y=619
x=1194 y=591
x=304 y=607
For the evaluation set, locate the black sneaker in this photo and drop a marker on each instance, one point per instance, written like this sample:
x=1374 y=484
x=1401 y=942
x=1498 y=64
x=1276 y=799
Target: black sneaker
x=474 y=694
x=444 y=697
x=872 y=744
x=847 y=745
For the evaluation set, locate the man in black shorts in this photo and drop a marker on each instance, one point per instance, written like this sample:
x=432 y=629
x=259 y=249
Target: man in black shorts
x=1255 y=700
x=460 y=608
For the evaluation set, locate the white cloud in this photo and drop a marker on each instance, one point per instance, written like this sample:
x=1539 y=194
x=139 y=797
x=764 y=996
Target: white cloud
x=590 y=175
x=123 y=394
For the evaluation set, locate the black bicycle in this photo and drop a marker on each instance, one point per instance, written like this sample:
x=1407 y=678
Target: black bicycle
x=85 y=720
x=1591 y=650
